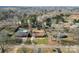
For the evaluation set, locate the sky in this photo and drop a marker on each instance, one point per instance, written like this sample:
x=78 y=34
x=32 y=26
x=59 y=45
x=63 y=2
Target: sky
x=39 y=2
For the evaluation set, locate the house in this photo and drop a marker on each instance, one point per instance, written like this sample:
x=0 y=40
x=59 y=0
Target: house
x=73 y=17
x=38 y=33
x=66 y=25
x=22 y=33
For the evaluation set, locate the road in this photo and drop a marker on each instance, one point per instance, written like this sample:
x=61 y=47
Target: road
x=36 y=48
x=43 y=46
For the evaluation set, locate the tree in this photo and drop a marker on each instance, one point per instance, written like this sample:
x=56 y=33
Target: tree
x=31 y=18
x=48 y=21
x=59 y=18
x=3 y=41
x=76 y=21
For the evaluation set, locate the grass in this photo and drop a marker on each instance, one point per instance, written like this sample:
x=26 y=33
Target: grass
x=25 y=50
x=67 y=42
x=41 y=41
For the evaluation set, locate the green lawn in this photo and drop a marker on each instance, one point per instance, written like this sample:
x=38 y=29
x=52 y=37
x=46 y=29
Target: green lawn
x=41 y=41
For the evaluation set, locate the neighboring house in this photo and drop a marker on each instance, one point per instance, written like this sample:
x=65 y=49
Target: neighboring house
x=77 y=24
x=73 y=17
x=61 y=35
x=66 y=25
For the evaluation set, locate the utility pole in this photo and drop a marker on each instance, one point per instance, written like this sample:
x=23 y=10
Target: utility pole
x=29 y=25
